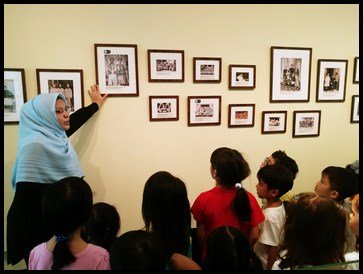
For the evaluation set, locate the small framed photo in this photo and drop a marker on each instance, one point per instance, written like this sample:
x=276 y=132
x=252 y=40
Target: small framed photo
x=164 y=108
x=166 y=65
x=69 y=82
x=306 y=123
x=242 y=77
x=207 y=70
x=204 y=110
x=356 y=71
x=290 y=74
x=116 y=69
x=273 y=122
x=241 y=115
x=331 y=81
x=354 y=116
x=14 y=94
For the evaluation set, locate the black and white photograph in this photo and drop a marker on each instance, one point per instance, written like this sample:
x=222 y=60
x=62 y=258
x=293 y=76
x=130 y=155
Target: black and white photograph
x=242 y=77
x=207 y=69
x=273 y=122
x=241 y=115
x=65 y=87
x=164 y=108
x=204 y=110
x=306 y=123
x=165 y=65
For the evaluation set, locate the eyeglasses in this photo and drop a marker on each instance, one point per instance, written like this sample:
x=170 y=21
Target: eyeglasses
x=266 y=162
x=62 y=110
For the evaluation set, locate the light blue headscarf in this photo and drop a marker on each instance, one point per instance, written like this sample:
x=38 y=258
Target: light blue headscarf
x=45 y=154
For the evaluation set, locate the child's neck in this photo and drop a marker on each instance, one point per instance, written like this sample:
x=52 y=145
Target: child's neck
x=273 y=202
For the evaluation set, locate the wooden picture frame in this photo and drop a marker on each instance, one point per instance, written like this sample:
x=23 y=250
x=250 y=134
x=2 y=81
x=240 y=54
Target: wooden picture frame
x=204 y=110
x=354 y=114
x=356 y=71
x=14 y=94
x=163 y=108
x=207 y=70
x=290 y=74
x=241 y=115
x=165 y=65
x=242 y=76
x=69 y=82
x=116 y=69
x=274 y=122
x=331 y=80
x=306 y=123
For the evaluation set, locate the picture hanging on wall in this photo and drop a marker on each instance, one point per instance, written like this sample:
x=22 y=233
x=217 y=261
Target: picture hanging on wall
x=356 y=71
x=69 y=82
x=116 y=69
x=241 y=115
x=166 y=65
x=164 y=108
x=273 y=122
x=242 y=77
x=306 y=123
x=207 y=70
x=290 y=74
x=331 y=80
x=354 y=116
x=204 y=110
x=14 y=94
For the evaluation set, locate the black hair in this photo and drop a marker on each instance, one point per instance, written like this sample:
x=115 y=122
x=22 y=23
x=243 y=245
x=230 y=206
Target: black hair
x=138 y=250
x=166 y=211
x=67 y=204
x=232 y=168
x=282 y=158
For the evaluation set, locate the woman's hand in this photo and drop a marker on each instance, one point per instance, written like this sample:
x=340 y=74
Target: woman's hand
x=96 y=96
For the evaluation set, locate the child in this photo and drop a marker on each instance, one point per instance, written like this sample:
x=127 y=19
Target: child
x=339 y=183
x=66 y=206
x=228 y=203
x=227 y=248
x=314 y=233
x=103 y=225
x=354 y=225
x=273 y=182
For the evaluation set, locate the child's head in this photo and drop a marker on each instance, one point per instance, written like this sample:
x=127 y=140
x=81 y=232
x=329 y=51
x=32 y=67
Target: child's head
x=314 y=231
x=66 y=206
x=274 y=181
x=102 y=226
x=138 y=250
x=354 y=216
x=227 y=248
x=166 y=210
x=337 y=182
x=280 y=157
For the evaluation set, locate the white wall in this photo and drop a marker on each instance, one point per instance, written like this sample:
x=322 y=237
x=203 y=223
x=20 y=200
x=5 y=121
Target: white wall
x=119 y=148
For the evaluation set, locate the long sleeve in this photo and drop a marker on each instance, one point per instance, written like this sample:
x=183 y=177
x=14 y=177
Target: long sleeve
x=78 y=118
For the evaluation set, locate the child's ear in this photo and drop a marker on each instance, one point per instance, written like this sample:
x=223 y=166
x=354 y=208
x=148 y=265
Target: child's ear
x=334 y=194
x=275 y=193
x=214 y=173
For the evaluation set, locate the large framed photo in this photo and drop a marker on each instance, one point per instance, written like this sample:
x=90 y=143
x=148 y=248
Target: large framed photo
x=166 y=65
x=354 y=116
x=273 y=122
x=242 y=77
x=356 y=71
x=306 y=123
x=116 y=69
x=241 y=115
x=207 y=70
x=331 y=81
x=164 y=108
x=14 y=94
x=290 y=74
x=69 y=82
x=204 y=110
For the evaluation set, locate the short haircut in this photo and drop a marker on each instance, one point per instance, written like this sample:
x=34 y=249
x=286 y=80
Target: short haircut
x=282 y=158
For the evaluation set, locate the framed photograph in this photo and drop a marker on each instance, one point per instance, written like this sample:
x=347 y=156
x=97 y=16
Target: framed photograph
x=356 y=71
x=242 y=77
x=69 y=82
x=116 y=69
x=331 y=81
x=290 y=74
x=354 y=116
x=207 y=70
x=166 y=65
x=273 y=122
x=14 y=94
x=204 y=110
x=241 y=115
x=164 y=108
x=306 y=123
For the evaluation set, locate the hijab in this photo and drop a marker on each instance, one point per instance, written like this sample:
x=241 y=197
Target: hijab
x=45 y=154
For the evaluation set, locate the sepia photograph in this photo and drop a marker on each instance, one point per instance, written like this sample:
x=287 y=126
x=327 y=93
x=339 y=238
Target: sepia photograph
x=273 y=122
x=241 y=115
x=306 y=123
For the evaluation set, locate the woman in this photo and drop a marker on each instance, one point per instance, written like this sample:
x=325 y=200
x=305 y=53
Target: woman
x=45 y=155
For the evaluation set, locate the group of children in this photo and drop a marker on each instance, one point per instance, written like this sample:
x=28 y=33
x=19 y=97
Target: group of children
x=233 y=231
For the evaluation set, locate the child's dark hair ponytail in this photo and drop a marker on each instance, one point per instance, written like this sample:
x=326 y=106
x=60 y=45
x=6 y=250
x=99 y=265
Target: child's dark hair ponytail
x=241 y=204
x=61 y=254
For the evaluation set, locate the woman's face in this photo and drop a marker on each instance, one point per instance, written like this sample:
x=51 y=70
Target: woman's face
x=62 y=113
x=354 y=220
